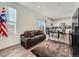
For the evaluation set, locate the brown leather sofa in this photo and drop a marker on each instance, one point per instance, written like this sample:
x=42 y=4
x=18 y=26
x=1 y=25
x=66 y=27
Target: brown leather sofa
x=31 y=38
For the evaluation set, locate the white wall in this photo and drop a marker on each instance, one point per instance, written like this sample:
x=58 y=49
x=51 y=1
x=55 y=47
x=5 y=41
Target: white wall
x=26 y=20
x=48 y=22
x=57 y=22
x=66 y=21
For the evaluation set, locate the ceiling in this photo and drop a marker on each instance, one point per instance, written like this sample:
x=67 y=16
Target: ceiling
x=51 y=9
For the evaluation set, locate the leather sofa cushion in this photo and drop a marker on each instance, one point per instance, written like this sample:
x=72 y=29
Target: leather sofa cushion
x=29 y=34
x=35 y=37
x=39 y=32
x=33 y=33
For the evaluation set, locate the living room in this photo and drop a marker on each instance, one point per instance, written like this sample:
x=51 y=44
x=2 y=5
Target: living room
x=51 y=21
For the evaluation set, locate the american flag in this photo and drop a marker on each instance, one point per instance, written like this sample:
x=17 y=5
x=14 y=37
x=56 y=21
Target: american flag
x=3 y=24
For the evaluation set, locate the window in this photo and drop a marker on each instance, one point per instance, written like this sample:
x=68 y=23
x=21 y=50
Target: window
x=11 y=20
x=41 y=24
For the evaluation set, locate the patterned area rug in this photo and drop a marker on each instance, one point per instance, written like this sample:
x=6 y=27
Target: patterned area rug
x=50 y=48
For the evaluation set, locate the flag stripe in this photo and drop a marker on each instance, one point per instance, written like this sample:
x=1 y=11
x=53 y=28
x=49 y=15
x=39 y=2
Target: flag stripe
x=3 y=27
x=3 y=32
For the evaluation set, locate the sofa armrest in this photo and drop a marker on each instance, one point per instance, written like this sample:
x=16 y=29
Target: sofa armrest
x=21 y=36
x=24 y=42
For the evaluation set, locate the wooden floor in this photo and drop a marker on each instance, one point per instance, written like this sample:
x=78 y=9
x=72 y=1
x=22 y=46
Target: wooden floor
x=63 y=38
x=19 y=51
x=16 y=51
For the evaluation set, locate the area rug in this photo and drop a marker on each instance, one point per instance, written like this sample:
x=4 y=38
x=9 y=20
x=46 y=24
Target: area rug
x=50 y=48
